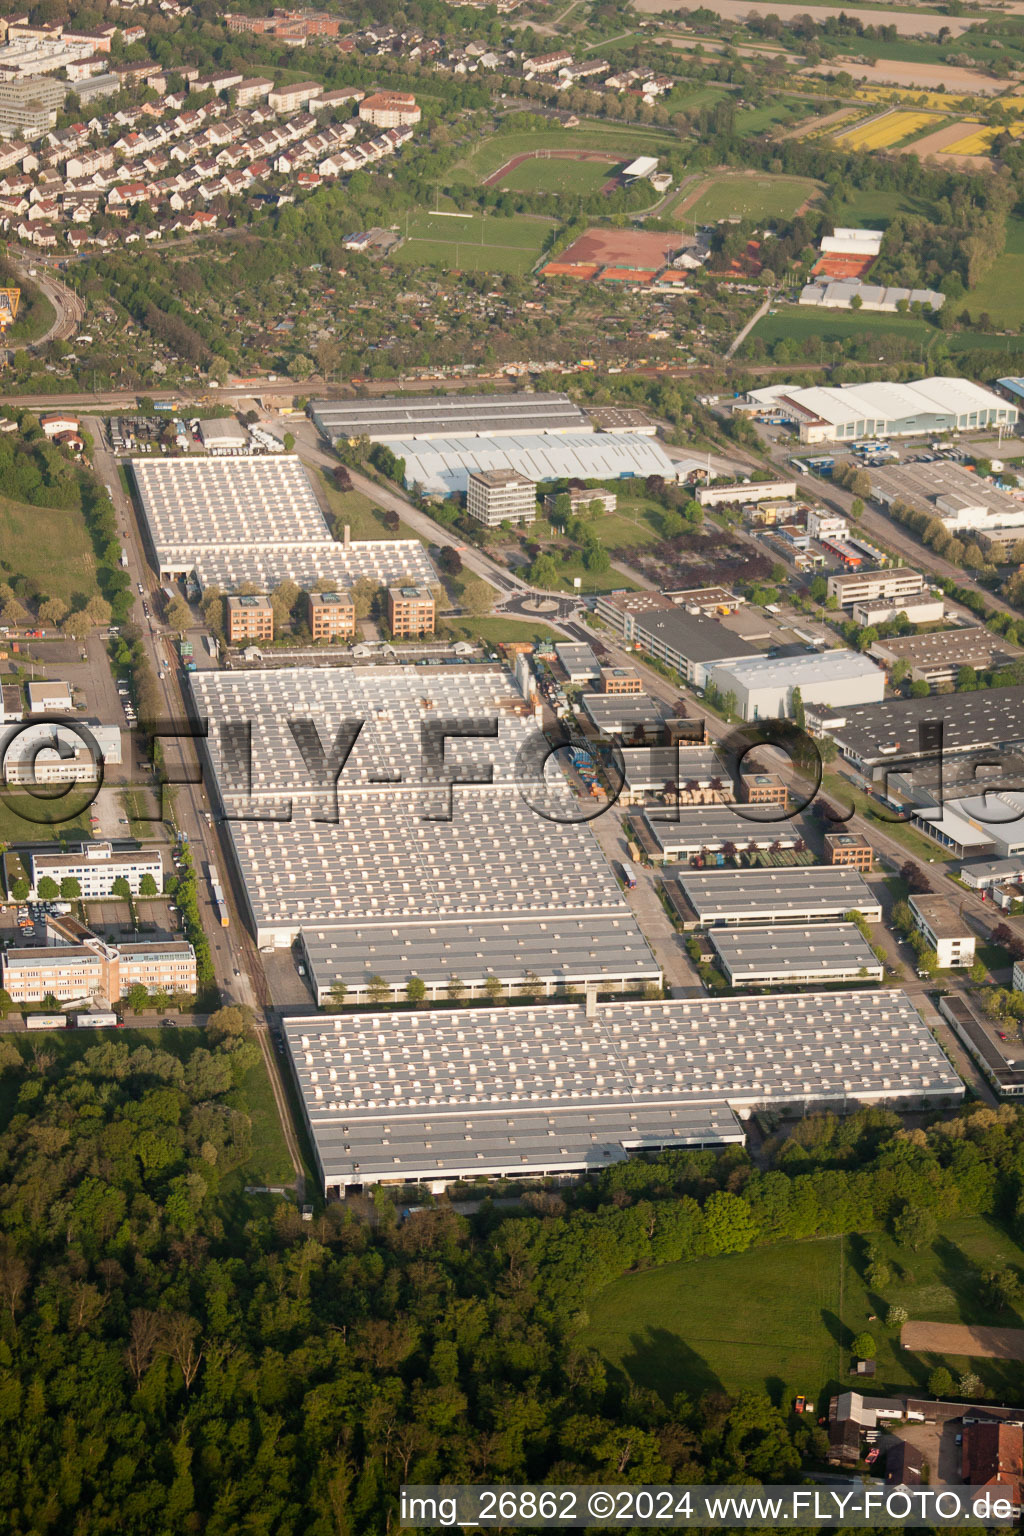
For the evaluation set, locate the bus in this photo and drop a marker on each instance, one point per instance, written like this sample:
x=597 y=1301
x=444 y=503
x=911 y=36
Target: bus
x=628 y=876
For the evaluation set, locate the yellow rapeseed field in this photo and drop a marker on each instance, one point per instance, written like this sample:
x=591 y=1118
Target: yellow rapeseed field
x=979 y=140
x=883 y=131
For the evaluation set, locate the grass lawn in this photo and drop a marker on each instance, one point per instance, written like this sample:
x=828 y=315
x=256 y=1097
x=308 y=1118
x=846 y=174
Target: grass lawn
x=782 y=1318
x=359 y=512
x=794 y=323
x=760 y=119
x=35 y=312
x=479 y=243
x=752 y=197
x=880 y=208
x=621 y=141
x=728 y=1323
x=28 y=828
x=495 y=630
x=51 y=546
x=581 y=177
x=1000 y=293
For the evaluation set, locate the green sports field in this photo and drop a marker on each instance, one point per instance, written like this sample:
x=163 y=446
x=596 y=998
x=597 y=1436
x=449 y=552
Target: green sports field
x=751 y=197
x=478 y=243
x=568 y=177
x=781 y=1318
x=622 y=143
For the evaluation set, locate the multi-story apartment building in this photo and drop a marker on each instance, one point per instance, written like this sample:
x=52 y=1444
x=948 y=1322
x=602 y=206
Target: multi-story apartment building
x=250 y=617
x=289 y=98
x=96 y=866
x=390 y=109
x=496 y=496
x=332 y=615
x=411 y=611
x=30 y=107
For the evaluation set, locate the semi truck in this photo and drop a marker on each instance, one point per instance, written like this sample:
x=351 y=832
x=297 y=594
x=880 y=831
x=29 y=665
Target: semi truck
x=628 y=875
x=123 y=558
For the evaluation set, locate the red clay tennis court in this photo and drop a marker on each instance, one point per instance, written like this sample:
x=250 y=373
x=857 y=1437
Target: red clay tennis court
x=645 y=250
x=834 y=265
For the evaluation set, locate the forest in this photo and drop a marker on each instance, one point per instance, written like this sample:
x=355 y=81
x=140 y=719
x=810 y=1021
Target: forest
x=176 y=1354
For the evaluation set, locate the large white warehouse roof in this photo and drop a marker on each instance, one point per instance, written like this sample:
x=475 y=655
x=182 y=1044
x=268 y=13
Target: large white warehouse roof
x=443 y=465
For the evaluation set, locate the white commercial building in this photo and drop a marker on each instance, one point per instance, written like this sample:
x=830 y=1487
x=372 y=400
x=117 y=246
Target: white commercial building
x=496 y=496
x=46 y=753
x=225 y=435
x=850 y=587
x=948 y=934
x=745 y=491
x=559 y=1088
x=826 y=525
x=763 y=688
x=849 y=411
x=916 y=610
x=96 y=866
x=852 y=242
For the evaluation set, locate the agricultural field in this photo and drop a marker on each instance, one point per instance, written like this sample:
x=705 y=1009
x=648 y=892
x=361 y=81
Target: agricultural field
x=568 y=177
x=978 y=140
x=749 y=197
x=883 y=132
x=477 y=243
x=51 y=547
x=782 y=1318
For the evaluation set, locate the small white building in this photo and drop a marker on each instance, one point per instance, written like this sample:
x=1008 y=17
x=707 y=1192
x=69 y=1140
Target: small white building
x=945 y=931
x=96 y=866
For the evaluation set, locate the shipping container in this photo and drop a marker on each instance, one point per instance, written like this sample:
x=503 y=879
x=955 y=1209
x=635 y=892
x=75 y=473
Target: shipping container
x=96 y=1021
x=45 y=1021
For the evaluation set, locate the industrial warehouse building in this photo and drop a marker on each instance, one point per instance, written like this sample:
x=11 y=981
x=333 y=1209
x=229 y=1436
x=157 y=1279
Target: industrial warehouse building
x=794 y=955
x=763 y=686
x=229 y=521
x=442 y=465
x=937 y=658
x=802 y=895
x=878 y=738
x=691 y=643
x=714 y=829
x=562 y=1088
x=392 y=418
x=386 y=859
x=851 y=411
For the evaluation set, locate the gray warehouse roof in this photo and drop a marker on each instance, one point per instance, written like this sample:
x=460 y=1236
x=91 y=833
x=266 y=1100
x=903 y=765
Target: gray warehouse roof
x=696 y=636
x=385 y=846
x=761 y=895
x=415 y=416
x=596 y=947
x=711 y=826
x=442 y=465
x=472 y=1092
x=888 y=732
x=788 y=952
x=837 y=666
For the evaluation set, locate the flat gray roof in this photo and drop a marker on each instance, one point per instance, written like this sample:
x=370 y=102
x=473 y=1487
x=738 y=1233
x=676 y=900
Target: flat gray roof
x=384 y=846
x=696 y=636
x=694 y=827
x=818 y=951
x=469 y=1092
x=879 y=733
x=591 y=947
x=748 y=895
x=609 y=711
x=457 y=415
x=664 y=765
